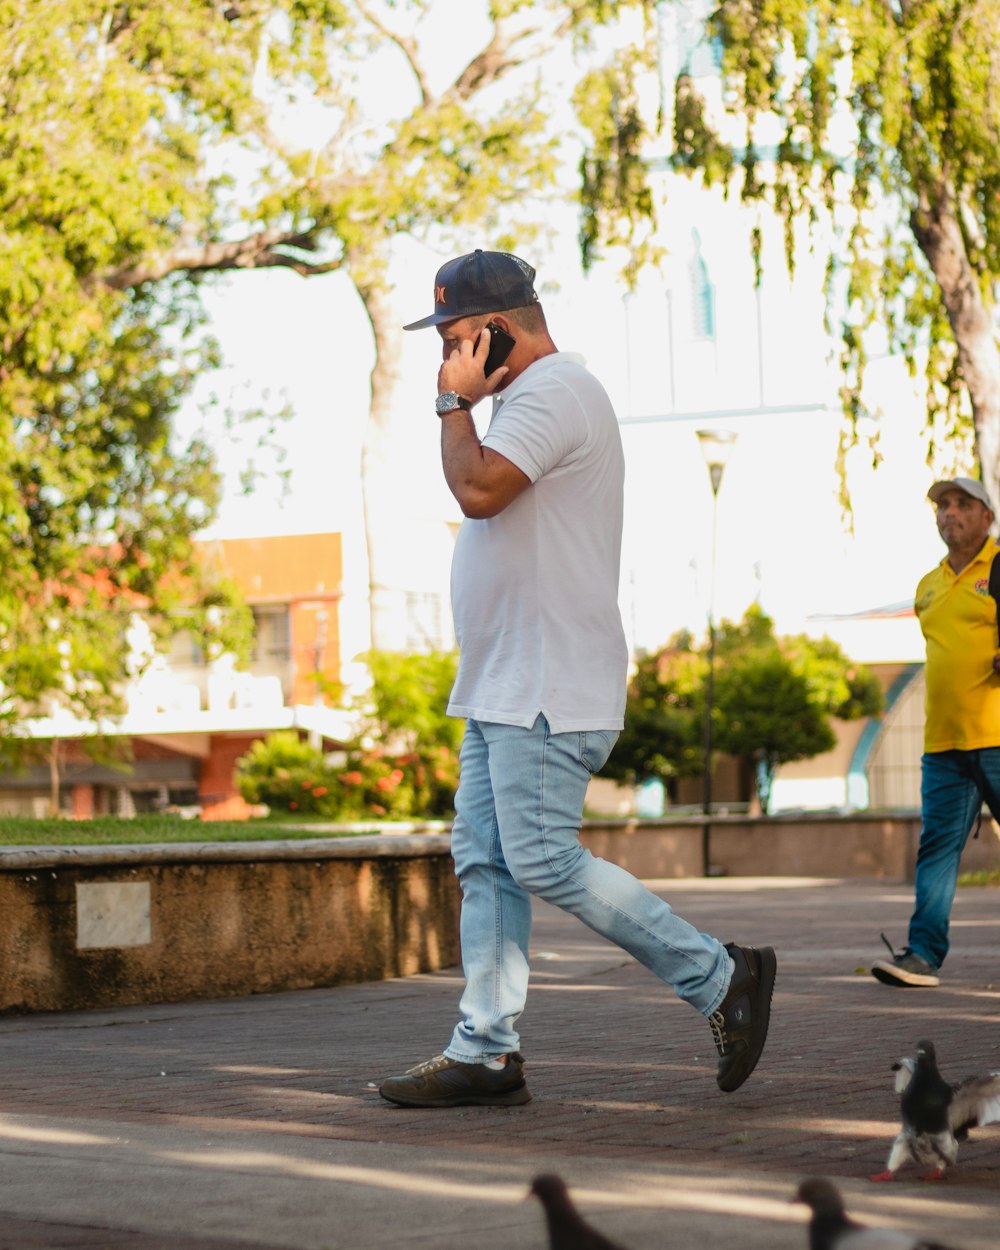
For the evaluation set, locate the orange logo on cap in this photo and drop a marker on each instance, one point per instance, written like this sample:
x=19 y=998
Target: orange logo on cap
x=440 y=295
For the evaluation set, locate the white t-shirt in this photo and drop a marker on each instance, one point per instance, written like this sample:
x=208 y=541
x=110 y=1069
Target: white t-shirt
x=535 y=588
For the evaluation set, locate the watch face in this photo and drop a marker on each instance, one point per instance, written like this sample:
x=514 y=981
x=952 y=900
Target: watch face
x=446 y=401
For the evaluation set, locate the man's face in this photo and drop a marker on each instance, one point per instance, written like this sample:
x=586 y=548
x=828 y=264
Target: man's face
x=961 y=520
x=454 y=332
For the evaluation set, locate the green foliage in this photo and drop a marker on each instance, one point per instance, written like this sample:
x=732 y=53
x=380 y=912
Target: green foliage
x=470 y=154
x=117 y=121
x=402 y=763
x=283 y=771
x=841 y=689
x=985 y=877
x=765 y=710
x=773 y=702
x=107 y=111
x=617 y=208
x=888 y=116
x=875 y=126
x=406 y=705
x=138 y=830
x=662 y=736
x=775 y=697
x=381 y=784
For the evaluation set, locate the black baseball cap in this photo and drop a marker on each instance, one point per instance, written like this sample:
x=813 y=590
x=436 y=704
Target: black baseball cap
x=481 y=282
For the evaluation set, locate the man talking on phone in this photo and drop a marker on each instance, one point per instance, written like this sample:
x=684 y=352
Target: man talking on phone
x=541 y=684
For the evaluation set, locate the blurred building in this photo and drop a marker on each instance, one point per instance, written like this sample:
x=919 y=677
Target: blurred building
x=187 y=719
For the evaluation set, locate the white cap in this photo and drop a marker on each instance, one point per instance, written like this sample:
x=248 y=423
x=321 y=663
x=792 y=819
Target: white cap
x=967 y=484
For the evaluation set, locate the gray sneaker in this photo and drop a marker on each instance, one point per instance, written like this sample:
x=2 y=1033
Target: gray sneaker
x=444 y=1082
x=904 y=970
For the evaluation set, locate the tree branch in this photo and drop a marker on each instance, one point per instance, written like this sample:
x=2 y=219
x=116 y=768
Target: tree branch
x=406 y=45
x=258 y=251
x=493 y=60
x=938 y=233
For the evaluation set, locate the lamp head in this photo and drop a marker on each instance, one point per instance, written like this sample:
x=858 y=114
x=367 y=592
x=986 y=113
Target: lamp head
x=716 y=447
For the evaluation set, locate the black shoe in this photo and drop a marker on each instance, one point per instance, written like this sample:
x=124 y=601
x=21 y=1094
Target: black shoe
x=444 y=1082
x=739 y=1023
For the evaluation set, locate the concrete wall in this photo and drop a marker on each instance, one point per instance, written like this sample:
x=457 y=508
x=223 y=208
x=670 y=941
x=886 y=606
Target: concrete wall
x=862 y=845
x=97 y=926
x=107 y=926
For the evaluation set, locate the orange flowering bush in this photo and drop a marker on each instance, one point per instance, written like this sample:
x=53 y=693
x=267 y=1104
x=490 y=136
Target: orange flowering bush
x=287 y=774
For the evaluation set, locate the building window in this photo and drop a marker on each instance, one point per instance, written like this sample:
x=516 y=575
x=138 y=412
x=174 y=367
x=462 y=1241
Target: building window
x=272 y=633
x=185 y=651
x=702 y=294
x=425 y=622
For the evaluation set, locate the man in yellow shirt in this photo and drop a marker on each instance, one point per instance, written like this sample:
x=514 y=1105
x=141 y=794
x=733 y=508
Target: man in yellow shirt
x=960 y=767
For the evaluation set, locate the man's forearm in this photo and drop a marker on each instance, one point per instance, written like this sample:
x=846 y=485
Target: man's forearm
x=463 y=461
x=483 y=481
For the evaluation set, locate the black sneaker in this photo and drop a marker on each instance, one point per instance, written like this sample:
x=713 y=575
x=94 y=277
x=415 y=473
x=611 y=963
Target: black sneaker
x=444 y=1082
x=739 y=1023
x=905 y=969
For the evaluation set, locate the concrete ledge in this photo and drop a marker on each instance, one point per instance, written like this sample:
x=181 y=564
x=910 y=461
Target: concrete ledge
x=101 y=926
x=107 y=926
x=372 y=846
x=864 y=844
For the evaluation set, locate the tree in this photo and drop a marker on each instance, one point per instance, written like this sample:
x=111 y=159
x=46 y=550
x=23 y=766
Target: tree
x=662 y=736
x=876 y=120
x=115 y=212
x=101 y=110
x=773 y=702
x=775 y=697
x=766 y=712
x=405 y=708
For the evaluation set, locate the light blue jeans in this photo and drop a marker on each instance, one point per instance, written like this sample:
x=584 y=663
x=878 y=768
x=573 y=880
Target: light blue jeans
x=953 y=787
x=518 y=811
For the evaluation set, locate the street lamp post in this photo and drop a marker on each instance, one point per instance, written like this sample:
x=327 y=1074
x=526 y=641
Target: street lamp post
x=716 y=447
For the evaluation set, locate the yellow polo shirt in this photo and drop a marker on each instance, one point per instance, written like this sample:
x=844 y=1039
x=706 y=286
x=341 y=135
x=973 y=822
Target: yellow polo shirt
x=958 y=618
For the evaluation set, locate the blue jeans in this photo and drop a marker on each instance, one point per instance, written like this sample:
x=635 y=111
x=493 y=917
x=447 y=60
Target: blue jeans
x=953 y=787
x=518 y=810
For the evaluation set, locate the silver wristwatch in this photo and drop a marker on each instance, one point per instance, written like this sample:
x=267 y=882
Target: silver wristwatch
x=448 y=401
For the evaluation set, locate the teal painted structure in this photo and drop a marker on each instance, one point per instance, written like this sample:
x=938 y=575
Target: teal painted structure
x=857 y=771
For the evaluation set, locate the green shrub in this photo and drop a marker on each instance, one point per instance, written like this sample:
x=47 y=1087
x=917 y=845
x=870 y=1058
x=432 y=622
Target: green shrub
x=286 y=773
x=402 y=764
x=376 y=783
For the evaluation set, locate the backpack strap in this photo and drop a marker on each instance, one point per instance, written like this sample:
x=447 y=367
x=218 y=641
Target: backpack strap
x=995 y=588
x=981 y=783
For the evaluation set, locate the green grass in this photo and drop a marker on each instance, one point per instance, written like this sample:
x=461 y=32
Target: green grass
x=112 y=831
x=988 y=876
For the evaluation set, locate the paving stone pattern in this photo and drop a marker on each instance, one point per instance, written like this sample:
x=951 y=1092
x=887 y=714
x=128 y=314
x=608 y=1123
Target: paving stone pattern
x=621 y=1071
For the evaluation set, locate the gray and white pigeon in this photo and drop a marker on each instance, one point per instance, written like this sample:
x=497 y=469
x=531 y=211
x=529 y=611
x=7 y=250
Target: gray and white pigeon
x=936 y=1114
x=831 y=1228
x=568 y=1230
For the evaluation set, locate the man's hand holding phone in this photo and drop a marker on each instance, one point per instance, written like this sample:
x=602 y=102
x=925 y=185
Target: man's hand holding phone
x=501 y=345
x=475 y=360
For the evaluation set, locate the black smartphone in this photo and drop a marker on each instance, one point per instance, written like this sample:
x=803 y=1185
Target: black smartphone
x=501 y=346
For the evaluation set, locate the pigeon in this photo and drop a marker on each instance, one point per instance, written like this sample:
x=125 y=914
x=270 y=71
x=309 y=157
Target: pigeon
x=937 y=1115
x=831 y=1228
x=568 y=1230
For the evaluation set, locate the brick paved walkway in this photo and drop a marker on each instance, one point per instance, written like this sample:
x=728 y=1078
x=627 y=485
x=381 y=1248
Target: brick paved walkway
x=256 y=1122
